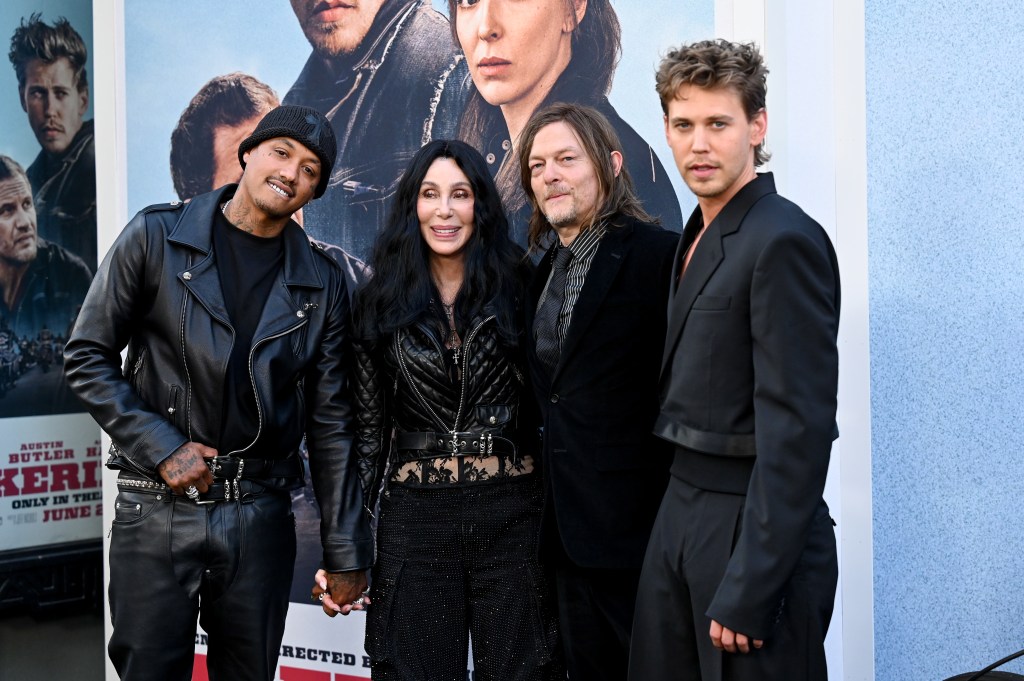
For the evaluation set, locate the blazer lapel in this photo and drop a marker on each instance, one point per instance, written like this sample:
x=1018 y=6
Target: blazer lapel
x=690 y=230
x=604 y=268
x=705 y=261
x=537 y=284
x=708 y=256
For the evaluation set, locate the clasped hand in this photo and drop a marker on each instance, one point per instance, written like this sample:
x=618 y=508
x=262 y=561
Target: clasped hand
x=340 y=591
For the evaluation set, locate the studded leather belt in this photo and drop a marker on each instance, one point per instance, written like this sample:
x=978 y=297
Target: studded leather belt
x=416 y=446
x=236 y=468
x=221 y=490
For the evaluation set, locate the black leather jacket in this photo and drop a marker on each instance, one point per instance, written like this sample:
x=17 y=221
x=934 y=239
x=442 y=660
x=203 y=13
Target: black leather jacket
x=64 y=193
x=403 y=384
x=402 y=87
x=158 y=293
x=54 y=286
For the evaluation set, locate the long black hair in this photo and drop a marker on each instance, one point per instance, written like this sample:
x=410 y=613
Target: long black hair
x=402 y=291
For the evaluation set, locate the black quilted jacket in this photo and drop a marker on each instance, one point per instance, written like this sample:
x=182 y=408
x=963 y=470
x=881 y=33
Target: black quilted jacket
x=402 y=385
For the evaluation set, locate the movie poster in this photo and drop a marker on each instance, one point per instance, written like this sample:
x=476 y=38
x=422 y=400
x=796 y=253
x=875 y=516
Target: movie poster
x=50 y=466
x=199 y=76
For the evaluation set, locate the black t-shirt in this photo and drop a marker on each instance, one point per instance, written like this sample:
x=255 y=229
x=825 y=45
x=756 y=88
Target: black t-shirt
x=248 y=266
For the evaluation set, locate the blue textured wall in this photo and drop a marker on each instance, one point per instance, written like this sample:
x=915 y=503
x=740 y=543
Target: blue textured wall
x=945 y=127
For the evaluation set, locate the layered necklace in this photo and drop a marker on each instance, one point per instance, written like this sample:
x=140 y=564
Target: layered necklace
x=453 y=342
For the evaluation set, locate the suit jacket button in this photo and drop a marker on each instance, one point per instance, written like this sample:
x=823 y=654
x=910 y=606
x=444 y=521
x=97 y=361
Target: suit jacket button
x=554 y=399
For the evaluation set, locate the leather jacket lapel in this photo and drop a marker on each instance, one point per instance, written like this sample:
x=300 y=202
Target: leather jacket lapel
x=203 y=282
x=287 y=307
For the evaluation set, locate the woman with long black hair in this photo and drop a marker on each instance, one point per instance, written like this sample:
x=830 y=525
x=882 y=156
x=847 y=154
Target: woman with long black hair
x=445 y=435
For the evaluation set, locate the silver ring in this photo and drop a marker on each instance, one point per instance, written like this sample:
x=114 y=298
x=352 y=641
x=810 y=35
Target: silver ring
x=320 y=597
x=359 y=601
x=192 y=493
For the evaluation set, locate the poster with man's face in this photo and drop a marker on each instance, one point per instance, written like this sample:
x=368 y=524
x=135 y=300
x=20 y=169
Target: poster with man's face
x=390 y=75
x=50 y=463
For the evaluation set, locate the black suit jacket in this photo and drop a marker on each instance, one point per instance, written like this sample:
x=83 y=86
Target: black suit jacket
x=750 y=371
x=604 y=470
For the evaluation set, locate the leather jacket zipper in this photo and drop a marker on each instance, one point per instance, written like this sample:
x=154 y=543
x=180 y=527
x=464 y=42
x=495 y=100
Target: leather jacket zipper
x=465 y=365
x=252 y=379
x=412 y=383
x=138 y=365
x=184 y=358
x=115 y=450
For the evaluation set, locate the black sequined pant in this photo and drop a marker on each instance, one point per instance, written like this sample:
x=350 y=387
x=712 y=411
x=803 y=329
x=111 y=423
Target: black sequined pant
x=455 y=562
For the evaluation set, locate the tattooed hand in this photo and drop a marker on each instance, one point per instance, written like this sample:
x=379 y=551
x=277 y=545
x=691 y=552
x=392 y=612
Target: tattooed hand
x=187 y=466
x=340 y=591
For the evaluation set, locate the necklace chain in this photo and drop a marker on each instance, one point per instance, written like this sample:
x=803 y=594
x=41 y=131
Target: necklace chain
x=453 y=342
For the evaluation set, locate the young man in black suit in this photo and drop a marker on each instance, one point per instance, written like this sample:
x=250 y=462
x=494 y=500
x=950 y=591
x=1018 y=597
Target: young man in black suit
x=740 y=574
x=596 y=321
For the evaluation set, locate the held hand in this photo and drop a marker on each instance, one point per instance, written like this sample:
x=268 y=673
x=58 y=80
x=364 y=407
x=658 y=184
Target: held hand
x=726 y=639
x=187 y=467
x=343 y=591
x=320 y=593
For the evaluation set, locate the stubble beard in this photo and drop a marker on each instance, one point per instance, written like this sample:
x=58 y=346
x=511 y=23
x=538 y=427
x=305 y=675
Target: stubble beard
x=703 y=191
x=564 y=215
x=708 y=190
x=336 y=40
x=270 y=210
x=22 y=257
x=567 y=217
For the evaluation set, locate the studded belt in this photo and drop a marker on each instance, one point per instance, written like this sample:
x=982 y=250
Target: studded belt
x=416 y=446
x=226 y=490
x=236 y=468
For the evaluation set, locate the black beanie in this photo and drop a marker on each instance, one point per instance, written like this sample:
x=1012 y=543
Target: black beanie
x=304 y=125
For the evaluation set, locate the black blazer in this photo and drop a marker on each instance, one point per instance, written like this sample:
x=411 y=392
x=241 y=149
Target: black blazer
x=750 y=372
x=604 y=470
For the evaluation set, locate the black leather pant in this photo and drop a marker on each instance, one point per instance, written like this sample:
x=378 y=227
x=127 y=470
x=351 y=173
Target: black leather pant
x=229 y=563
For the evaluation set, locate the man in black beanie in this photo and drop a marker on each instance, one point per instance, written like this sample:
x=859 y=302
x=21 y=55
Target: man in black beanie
x=235 y=326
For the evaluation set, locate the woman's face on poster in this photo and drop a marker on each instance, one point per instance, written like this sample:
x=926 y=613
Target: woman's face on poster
x=517 y=49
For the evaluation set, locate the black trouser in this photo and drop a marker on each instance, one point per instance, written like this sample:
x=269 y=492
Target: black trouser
x=595 y=614
x=456 y=561
x=689 y=550
x=169 y=556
